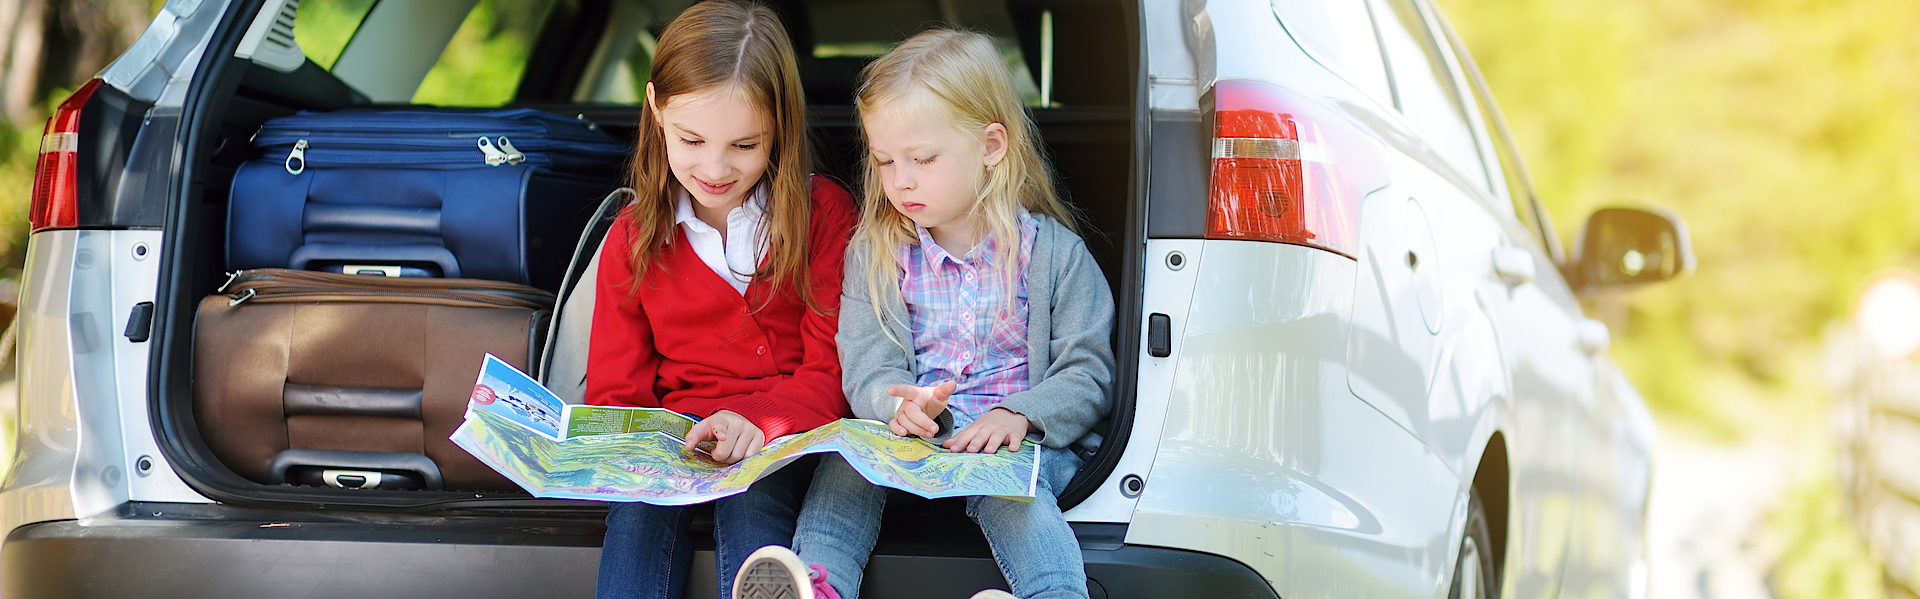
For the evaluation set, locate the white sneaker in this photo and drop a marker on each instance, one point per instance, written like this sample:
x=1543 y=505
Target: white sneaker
x=773 y=572
x=993 y=594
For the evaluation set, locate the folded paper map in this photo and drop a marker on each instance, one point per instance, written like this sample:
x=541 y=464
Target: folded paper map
x=604 y=453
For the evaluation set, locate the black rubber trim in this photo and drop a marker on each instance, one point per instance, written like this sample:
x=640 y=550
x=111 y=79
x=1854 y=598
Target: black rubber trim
x=281 y=467
x=1177 y=201
x=139 y=323
x=160 y=551
x=110 y=124
x=1126 y=342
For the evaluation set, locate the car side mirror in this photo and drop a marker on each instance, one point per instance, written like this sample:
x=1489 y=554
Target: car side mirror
x=1622 y=248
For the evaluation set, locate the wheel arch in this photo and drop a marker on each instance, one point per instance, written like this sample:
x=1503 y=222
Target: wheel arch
x=1493 y=480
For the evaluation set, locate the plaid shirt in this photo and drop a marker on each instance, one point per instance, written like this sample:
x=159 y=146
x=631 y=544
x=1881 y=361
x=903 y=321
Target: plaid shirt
x=963 y=330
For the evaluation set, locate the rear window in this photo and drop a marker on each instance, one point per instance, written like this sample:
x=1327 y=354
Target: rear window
x=867 y=29
x=483 y=63
x=1339 y=34
x=1424 y=87
x=481 y=66
x=324 y=26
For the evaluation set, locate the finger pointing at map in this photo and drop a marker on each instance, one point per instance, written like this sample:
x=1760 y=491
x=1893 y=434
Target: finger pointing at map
x=734 y=437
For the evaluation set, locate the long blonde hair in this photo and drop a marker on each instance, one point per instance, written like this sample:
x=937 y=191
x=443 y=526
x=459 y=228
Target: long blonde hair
x=963 y=72
x=729 y=43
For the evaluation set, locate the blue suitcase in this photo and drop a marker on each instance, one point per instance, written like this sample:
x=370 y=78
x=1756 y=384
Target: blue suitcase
x=495 y=195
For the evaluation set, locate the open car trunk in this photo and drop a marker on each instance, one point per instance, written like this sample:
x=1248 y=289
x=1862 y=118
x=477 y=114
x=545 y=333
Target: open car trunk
x=1082 y=55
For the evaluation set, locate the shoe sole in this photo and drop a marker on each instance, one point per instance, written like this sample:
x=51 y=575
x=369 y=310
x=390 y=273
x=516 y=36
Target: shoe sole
x=772 y=577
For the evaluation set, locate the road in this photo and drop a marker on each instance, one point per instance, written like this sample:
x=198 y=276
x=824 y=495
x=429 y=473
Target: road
x=1706 y=525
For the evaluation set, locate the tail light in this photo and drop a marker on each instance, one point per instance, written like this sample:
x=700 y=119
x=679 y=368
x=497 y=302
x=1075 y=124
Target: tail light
x=55 y=198
x=1287 y=169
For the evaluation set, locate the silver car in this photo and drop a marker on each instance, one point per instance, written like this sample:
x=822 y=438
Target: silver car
x=1353 y=358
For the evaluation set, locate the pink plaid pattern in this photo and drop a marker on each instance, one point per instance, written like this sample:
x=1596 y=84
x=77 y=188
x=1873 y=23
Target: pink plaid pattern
x=962 y=328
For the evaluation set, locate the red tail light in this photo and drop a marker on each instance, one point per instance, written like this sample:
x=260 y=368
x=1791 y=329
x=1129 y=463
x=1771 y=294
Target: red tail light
x=55 y=199
x=1286 y=169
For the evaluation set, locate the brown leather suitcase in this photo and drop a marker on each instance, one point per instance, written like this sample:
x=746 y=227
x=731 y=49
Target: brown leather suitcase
x=354 y=381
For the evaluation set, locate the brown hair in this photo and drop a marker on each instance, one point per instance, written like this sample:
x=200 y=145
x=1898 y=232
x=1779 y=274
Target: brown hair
x=727 y=43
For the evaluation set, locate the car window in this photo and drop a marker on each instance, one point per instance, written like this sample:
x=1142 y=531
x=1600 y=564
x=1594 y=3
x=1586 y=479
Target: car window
x=1424 y=86
x=624 y=81
x=482 y=65
x=867 y=29
x=1518 y=185
x=1339 y=34
x=324 y=26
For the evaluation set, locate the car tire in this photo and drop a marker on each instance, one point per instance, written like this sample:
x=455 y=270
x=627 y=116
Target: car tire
x=1474 y=571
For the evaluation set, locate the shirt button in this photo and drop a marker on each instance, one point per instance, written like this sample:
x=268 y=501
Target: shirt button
x=967 y=316
x=969 y=276
x=967 y=356
x=760 y=351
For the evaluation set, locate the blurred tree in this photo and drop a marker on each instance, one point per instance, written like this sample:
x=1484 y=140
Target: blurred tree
x=47 y=45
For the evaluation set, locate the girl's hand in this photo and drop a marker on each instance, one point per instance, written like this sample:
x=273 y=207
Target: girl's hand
x=999 y=426
x=734 y=437
x=918 y=407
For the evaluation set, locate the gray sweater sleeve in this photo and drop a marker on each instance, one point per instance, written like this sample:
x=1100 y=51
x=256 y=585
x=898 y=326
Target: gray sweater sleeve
x=1078 y=385
x=870 y=360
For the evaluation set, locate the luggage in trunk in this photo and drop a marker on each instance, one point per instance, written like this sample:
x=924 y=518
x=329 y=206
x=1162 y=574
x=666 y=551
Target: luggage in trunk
x=351 y=380
x=498 y=195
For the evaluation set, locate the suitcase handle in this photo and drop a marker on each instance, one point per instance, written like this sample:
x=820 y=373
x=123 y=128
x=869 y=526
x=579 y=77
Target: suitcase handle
x=307 y=254
x=356 y=463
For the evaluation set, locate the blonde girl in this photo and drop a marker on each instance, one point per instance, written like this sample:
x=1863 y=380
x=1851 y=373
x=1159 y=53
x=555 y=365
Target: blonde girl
x=972 y=315
x=718 y=286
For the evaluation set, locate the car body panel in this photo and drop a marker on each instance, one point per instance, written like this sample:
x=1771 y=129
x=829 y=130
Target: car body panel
x=1246 y=468
x=82 y=404
x=38 y=484
x=1168 y=290
x=167 y=52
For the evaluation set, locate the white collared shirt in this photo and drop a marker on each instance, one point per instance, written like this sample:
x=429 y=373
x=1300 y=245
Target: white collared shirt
x=735 y=258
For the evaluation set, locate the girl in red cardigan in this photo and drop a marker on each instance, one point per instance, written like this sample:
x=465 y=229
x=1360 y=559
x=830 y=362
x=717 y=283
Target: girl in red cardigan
x=718 y=287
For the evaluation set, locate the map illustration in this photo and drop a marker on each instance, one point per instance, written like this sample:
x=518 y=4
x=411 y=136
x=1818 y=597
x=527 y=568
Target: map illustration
x=635 y=454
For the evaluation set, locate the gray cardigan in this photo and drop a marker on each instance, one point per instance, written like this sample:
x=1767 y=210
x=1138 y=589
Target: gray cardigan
x=1069 y=359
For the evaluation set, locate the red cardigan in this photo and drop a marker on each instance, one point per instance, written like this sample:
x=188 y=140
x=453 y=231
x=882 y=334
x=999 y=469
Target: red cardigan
x=689 y=343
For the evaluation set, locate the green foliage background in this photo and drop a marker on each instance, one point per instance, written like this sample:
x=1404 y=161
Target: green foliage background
x=1783 y=131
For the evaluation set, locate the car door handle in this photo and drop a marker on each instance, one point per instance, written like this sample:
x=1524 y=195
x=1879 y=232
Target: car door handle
x=1515 y=265
x=1594 y=337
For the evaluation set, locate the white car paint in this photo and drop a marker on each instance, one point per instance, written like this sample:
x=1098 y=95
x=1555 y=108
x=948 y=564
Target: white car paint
x=1443 y=355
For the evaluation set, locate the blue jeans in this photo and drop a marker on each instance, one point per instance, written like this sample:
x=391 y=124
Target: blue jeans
x=1035 y=549
x=648 y=552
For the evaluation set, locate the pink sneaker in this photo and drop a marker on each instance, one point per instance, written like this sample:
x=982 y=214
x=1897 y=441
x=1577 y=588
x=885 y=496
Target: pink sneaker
x=774 y=572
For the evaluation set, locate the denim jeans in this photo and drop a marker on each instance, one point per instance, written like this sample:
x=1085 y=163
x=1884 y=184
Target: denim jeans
x=1035 y=549
x=648 y=552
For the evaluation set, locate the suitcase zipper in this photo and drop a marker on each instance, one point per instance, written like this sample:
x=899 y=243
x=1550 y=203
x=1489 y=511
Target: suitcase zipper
x=452 y=143
x=502 y=153
x=299 y=154
x=513 y=156
x=494 y=152
x=283 y=285
x=460 y=159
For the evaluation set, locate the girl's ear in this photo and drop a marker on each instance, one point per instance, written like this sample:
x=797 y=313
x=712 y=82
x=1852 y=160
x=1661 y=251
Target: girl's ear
x=995 y=141
x=653 y=105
